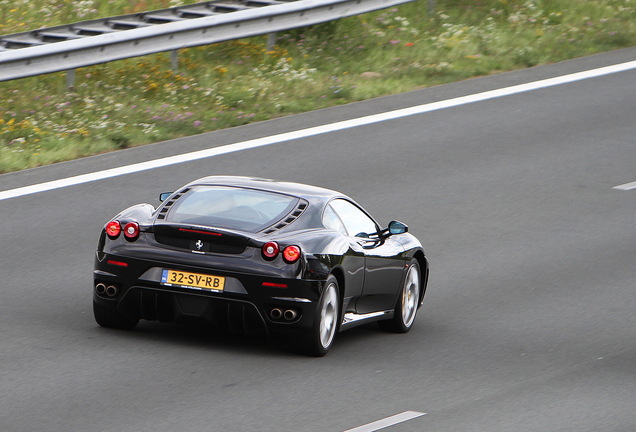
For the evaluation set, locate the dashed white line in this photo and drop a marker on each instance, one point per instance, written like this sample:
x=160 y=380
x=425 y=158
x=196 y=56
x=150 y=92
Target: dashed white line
x=389 y=421
x=626 y=186
x=274 y=139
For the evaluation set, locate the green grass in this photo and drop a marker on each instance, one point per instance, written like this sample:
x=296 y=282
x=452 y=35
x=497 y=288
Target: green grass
x=140 y=101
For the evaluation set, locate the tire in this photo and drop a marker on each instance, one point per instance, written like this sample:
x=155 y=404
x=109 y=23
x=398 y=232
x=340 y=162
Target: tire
x=107 y=317
x=320 y=338
x=407 y=302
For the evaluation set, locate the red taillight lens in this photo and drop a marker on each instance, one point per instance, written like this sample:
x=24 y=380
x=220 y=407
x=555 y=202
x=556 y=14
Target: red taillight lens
x=131 y=230
x=291 y=254
x=274 y=285
x=200 y=232
x=270 y=250
x=113 y=229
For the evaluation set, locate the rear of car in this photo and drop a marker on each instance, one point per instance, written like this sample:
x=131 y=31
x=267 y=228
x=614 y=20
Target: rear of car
x=208 y=252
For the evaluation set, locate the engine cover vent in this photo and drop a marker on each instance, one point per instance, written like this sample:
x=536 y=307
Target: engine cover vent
x=291 y=217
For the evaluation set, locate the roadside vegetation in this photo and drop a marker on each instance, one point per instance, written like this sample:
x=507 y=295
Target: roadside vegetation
x=140 y=101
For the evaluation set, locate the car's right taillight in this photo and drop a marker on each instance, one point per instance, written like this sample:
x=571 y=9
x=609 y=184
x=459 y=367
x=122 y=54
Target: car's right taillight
x=270 y=250
x=291 y=254
x=113 y=229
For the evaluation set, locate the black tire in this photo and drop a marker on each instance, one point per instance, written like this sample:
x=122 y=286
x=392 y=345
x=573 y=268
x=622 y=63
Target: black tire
x=407 y=303
x=320 y=339
x=107 y=317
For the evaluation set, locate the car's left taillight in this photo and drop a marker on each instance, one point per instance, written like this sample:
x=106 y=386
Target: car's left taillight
x=131 y=231
x=113 y=229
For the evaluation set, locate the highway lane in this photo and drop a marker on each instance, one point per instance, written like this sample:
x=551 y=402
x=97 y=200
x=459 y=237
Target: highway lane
x=529 y=319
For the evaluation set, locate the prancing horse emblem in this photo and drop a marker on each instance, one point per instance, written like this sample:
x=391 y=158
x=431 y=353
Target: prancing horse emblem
x=199 y=244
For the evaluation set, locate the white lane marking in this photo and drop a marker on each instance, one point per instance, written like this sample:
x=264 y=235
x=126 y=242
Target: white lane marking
x=626 y=186
x=304 y=133
x=389 y=421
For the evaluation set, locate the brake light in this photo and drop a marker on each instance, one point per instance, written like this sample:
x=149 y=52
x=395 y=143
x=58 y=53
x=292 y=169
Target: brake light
x=113 y=229
x=291 y=254
x=274 y=285
x=131 y=231
x=270 y=250
x=200 y=232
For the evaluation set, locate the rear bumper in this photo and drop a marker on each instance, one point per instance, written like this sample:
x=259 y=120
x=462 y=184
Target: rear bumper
x=245 y=304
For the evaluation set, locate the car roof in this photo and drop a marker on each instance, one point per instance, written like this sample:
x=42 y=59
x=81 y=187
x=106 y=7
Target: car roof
x=300 y=190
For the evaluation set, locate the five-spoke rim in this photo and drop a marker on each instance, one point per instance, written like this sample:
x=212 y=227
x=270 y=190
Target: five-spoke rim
x=410 y=295
x=328 y=316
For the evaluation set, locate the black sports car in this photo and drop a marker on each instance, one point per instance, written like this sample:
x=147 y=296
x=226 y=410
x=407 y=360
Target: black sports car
x=258 y=256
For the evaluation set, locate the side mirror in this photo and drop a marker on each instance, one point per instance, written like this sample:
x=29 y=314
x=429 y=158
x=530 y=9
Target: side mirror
x=164 y=196
x=397 y=227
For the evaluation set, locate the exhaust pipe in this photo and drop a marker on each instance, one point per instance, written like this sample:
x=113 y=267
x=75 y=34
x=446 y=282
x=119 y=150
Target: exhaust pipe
x=111 y=291
x=276 y=313
x=290 y=314
x=100 y=288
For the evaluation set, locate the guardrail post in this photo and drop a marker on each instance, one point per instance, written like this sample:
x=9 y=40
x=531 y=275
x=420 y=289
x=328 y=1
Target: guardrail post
x=70 y=79
x=271 y=41
x=431 y=6
x=174 y=60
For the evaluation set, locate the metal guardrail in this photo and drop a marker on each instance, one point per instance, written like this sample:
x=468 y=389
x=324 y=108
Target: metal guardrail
x=92 y=42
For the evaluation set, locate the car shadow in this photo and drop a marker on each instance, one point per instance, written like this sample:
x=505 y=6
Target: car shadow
x=198 y=335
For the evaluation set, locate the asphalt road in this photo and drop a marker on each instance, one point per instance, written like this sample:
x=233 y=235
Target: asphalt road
x=529 y=320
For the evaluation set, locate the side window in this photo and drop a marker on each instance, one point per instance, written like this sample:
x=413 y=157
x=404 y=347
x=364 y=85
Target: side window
x=358 y=224
x=331 y=220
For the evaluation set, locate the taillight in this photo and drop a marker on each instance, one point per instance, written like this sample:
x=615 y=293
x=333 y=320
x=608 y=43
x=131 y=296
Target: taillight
x=131 y=231
x=270 y=250
x=113 y=229
x=274 y=285
x=291 y=254
x=200 y=232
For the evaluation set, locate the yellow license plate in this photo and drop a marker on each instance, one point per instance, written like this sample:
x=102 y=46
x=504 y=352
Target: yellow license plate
x=192 y=280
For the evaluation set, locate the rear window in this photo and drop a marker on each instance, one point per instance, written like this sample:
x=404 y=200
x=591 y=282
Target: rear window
x=231 y=208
